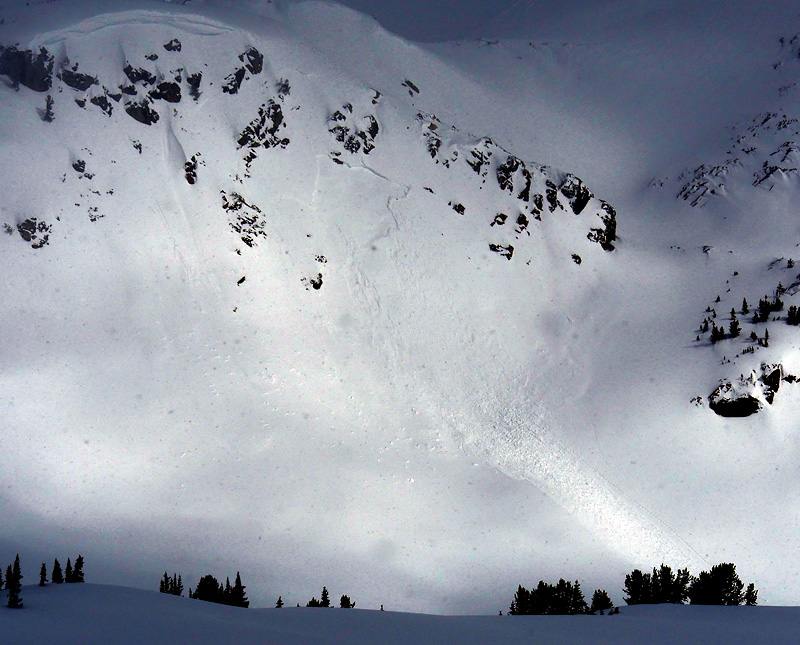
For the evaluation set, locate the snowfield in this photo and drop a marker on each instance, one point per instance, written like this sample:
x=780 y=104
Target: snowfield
x=88 y=614
x=286 y=293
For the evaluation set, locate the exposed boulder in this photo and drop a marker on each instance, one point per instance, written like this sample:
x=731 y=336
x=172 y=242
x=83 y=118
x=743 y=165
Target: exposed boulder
x=77 y=80
x=142 y=112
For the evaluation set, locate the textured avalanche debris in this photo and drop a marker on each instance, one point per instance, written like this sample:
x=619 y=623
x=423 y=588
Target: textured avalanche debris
x=35 y=231
x=23 y=67
x=248 y=220
x=354 y=133
x=253 y=62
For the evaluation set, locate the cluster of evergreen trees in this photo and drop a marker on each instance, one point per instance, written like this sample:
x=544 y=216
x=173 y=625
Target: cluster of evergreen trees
x=13 y=584
x=173 y=585
x=719 y=586
x=210 y=590
x=562 y=598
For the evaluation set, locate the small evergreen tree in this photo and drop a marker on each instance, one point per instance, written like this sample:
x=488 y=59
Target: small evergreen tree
x=177 y=585
x=238 y=596
x=344 y=603
x=227 y=593
x=68 y=572
x=208 y=589
x=164 y=585
x=753 y=336
x=15 y=585
x=313 y=602
x=43 y=575
x=58 y=575
x=279 y=604
x=9 y=574
x=792 y=317
x=734 y=329
x=751 y=595
x=600 y=601
x=1 y=577
x=325 y=600
x=77 y=572
x=637 y=587
x=745 y=308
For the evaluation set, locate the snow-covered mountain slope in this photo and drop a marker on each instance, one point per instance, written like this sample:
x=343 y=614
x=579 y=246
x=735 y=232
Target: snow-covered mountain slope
x=89 y=614
x=284 y=290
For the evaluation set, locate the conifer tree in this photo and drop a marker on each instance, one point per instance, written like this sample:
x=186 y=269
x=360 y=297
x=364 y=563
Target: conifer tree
x=15 y=586
x=751 y=595
x=43 y=575
x=344 y=602
x=1 y=577
x=325 y=600
x=227 y=592
x=8 y=576
x=745 y=308
x=238 y=595
x=77 y=571
x=164 y=585
x=177 y=585
x=735 y=329
x=600 y=601
x=68 y=572
x=279 y=604
x=58 y=575
x=720 y=586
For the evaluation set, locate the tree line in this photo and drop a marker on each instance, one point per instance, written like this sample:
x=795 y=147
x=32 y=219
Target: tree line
x=719 y=586
x=13 y=580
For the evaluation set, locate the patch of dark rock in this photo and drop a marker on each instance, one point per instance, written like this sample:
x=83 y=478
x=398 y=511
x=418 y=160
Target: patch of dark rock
x=606 y=235
x=234 y=81
x=248 y=221
x=525 y=193
x=506 y=251
x=458 y=208
x=173 y=45
x=166 y=91
x=102 y=102
x=8 y=229
x=138 y=146
x=321 y=259
x=499 y=219
x=116 y=96
x=576 y=258
x=505 y=173
x=771 y=378
x=576 y=192
x=35 y=231
x=136 y=75
x=129 y=90
x=430 y=190
x=255 y=60
x=352 y=144
x=412 y=89
x=152 y=57
x=79 y=166
x=241 y=280
x=23 y=67
x=262 y=131
x=142 y=113
x=478 y=159
x=552 y=195
x=742 y=406
x=76 y=80
x=81 y=103
x=190 y=167
x=522 y=223
x=313 y=283
x=194 y=80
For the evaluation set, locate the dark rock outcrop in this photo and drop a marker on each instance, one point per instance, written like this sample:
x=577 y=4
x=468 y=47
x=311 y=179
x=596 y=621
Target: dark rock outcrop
x=76 y=80
x=142 y=112
x=23 y=67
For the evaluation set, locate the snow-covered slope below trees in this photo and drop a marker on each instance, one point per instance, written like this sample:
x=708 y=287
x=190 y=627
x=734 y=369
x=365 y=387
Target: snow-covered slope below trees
x=88 y=614
x=285 y=290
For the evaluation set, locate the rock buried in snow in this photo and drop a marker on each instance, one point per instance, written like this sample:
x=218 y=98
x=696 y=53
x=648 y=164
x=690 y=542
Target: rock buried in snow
x=747 y=395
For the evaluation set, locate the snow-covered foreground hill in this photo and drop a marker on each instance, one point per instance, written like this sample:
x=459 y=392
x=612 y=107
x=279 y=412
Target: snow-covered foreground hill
x=288 y=294
x=88 y=614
